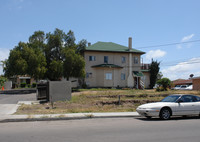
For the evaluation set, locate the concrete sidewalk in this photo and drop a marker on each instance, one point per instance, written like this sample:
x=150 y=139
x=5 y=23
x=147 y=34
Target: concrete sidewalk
x=69 y=116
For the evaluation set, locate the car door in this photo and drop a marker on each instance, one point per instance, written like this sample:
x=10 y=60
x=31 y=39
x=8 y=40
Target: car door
x=186 y=106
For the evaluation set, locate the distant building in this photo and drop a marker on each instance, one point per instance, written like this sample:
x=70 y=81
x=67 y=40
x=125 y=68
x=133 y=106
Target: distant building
x=196 y=83
x=182 y=82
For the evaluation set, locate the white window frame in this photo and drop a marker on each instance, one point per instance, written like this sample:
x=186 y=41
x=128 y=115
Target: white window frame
x=123 y=59
x=92 y=58
x=106 y=62
x=135 y=60
x=123 y=76
x=108 y=76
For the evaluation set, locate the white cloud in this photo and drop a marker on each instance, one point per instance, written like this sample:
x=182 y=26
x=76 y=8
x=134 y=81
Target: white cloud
x=183 y=70
x=155 y=54
x=4 y=53
x=185 y=39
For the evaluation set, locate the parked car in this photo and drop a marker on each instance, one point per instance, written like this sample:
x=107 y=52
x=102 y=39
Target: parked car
x=183 y=87
x=177 y=87
x=190 y=87
x=173 y=105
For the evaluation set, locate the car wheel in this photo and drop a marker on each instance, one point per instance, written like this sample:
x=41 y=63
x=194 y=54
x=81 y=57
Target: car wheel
x=165 y=113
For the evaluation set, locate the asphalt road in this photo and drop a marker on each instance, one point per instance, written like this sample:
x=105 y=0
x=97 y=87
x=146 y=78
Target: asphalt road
x=13 y=99
x=103 y=130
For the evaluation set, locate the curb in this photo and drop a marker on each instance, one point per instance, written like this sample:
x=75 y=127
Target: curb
x=46 y=118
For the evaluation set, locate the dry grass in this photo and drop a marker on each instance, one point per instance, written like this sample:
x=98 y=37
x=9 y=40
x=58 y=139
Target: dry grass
x=101 y=101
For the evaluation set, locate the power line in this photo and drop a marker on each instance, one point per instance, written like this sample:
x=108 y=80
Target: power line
x=168 y=44
x=183 y=63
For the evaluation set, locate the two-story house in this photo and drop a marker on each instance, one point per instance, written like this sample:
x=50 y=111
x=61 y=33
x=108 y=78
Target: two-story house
x=112 y=65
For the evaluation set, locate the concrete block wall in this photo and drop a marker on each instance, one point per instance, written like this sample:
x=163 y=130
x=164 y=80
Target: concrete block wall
x=8 y=85
x=59 y=91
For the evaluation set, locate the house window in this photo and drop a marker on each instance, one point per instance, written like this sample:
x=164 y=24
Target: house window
x=123 y=76
x=106 y=59
x=135 y=60
x=108 y=76
x=92 y=58
x=123 y=59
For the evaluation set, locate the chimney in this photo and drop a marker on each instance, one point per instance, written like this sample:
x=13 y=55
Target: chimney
x=130 y=43
x=89 y=43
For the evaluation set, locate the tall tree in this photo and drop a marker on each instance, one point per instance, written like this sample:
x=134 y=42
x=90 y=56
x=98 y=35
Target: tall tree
x=74 y=64
x=24 y=60
x=50 y=56
x=81 y=47
x=54 y=54
x=70 y=40
x=154 y=70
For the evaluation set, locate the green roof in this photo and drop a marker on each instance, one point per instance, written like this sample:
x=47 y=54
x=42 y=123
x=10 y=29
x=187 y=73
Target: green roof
x=107 y=66
x=111 y=47
x=145 y=70
x=138 y=74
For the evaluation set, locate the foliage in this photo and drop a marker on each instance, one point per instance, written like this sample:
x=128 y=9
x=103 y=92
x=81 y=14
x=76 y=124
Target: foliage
x=81 y=47
x=154 y=70
x=164 y=82
x=2 y=80
x=25 y=60
x=33 y=85
x=74 y=65
x=23 y=85
x=50 y=56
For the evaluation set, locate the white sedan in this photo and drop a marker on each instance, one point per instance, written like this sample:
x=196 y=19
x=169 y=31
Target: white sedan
x=173 y=105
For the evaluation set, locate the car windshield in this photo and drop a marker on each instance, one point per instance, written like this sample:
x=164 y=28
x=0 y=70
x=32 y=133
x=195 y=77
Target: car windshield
x=170 y=99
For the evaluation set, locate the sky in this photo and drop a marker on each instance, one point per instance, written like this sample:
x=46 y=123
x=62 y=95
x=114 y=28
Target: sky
x=148 y=22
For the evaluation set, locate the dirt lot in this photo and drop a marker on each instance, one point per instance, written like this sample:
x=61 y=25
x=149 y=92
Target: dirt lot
x=101 y=101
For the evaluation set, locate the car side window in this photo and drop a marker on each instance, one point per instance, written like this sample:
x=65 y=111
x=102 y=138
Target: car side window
x=197 y=99
x=187 y=99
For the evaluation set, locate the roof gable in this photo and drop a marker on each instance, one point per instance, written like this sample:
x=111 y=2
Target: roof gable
x=111 y=47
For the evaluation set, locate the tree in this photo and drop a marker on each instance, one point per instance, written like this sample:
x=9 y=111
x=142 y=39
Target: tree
x=49 y=56
x=70 y=40
x=74 y=64
x=191 y=75
x=81 y=47
x=2 y=80
x=154 y=70
x=24 y=60
x=164 y=82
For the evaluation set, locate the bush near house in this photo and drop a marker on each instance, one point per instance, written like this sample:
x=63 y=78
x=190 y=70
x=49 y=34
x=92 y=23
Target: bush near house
x=23 y=85
x=34 y=85
x=164 y=82
x=2 y=80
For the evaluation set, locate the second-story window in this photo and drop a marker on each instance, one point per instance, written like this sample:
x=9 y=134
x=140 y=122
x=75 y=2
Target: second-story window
x=123 y=59
x=92 y=58
x=135 y=60
x=106 y=59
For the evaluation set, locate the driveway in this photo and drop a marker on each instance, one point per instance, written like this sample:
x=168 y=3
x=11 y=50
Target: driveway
x=8 y=103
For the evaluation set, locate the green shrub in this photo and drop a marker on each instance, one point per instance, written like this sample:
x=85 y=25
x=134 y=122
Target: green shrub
x=34 y=85
x=23 y=85
x=84 y=85
x=29 y=85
